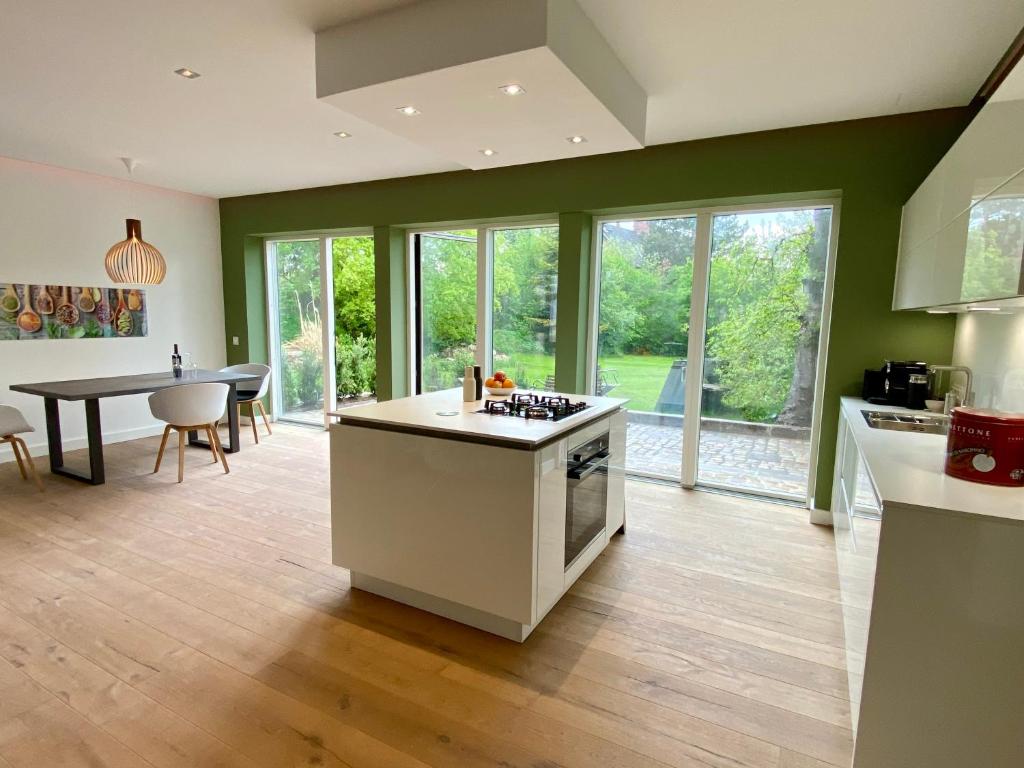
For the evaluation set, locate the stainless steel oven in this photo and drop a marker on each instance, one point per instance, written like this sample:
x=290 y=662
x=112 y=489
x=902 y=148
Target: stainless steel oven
x=586 y=500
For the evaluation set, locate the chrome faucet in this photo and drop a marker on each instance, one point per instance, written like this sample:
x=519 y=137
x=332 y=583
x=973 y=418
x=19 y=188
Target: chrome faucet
x=968 y=374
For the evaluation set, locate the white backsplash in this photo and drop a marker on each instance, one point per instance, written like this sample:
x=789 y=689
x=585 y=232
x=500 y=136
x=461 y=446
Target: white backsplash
x=992 y=346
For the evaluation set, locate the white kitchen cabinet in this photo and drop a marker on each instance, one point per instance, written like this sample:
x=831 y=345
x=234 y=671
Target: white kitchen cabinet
x=617 y=474
x=931 y=274
x=930 y=570
x=956 y=239
x=855 y=522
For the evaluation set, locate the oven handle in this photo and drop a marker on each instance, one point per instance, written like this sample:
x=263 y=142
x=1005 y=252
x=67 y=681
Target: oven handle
x=582 y=471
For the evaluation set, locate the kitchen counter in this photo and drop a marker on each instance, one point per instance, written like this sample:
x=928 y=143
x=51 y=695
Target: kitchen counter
x=422 y=414
x=929 y=582
x=906 y=469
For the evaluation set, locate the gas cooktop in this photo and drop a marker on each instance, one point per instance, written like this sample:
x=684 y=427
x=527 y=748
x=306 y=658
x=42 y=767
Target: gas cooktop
x=530 y=406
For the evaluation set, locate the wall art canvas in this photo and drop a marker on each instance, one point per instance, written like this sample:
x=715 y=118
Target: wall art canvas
x=30 y=312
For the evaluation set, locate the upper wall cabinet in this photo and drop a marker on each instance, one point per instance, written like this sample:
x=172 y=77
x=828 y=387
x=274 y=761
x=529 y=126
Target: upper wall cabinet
x=963 y=229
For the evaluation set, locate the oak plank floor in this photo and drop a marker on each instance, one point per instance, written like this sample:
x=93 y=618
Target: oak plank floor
x=146 y=623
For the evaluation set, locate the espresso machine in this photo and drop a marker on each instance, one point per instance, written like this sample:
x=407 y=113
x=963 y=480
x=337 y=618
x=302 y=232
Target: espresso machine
x=897 y=382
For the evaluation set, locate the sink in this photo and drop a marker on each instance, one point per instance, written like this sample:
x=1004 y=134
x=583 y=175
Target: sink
x=932 y=424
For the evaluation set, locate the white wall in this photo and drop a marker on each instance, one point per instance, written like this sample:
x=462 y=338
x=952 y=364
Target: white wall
x=992 y=346
x=55 y=228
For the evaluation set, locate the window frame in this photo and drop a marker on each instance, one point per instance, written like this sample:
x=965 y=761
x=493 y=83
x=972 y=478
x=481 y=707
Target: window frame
x=484 y=340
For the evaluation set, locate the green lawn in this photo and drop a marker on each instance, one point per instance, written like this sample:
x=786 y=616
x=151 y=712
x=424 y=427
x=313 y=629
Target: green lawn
x=641 y=377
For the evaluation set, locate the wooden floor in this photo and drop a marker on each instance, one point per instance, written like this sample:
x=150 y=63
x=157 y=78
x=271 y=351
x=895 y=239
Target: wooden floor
x=146 y=623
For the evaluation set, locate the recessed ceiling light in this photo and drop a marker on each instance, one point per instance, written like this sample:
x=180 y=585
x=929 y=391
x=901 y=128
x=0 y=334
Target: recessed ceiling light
x=186 y=73
x=576 y=139
x=512 y=89
x=343 y=135
x=488 y=152
x=408 y=110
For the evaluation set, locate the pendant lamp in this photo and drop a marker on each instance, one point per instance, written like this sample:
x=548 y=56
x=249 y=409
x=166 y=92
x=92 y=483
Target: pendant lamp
x=133 y=260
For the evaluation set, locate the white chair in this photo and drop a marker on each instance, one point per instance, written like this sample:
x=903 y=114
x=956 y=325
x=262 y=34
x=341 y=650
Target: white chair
x=12 y=424
x=253 y=395
x=188 y=407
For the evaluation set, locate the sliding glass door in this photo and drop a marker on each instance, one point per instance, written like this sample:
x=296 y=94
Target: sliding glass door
x=525 y=269
x=296 y=330
x=321 y=325
x=642 y=346
x=766 y=287
x=487 y=297
x=737 y=299
x=445 y=265
x=352 y=335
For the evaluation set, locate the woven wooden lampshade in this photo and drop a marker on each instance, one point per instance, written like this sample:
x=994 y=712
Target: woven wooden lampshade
x=133 y=260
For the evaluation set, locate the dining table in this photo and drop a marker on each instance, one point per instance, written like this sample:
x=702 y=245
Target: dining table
x=91 y=391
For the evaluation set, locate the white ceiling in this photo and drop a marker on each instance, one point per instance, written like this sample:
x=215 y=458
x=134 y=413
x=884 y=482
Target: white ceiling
x=84 y=83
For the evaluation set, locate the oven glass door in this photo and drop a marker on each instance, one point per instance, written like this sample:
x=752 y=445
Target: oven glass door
x=586 y=505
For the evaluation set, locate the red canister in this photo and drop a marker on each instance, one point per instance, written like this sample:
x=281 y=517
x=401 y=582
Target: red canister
x=986 y=446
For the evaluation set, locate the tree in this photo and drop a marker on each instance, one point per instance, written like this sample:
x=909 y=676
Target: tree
x=799 y=407
x=760 y=308
x=355 y=312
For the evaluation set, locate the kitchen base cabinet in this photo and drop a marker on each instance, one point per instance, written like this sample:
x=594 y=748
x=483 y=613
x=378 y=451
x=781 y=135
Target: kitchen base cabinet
x=933 y=603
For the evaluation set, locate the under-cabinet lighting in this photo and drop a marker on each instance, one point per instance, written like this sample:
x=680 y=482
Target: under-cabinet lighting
x=940 y=311
x=983 y=309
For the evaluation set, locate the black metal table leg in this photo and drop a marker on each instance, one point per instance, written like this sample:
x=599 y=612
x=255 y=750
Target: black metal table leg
x=53 y=440
x=92 y=426
x=233 y=441
x=97 y=475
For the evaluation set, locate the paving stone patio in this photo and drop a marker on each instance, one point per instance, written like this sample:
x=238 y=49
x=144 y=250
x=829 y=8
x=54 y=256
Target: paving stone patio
x=754 y=463
x=751 y=462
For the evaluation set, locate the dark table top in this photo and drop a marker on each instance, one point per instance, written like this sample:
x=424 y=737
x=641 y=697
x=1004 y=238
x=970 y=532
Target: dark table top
x=115 y=386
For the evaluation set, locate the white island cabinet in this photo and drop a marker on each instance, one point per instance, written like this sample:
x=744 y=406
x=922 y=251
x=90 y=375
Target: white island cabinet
x=484 y=519
x=931 y=574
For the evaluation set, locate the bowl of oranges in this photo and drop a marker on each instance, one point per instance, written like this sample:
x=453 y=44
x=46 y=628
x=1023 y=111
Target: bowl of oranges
x=499 y=384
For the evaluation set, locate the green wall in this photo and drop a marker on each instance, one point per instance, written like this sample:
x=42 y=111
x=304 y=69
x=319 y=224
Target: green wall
x=874 y=164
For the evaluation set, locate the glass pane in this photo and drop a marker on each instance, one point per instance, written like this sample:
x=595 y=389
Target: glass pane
x=643 y=321
x=995 y=240
x=766 y=283
x=355 y=320
x=525 y=298
x=300 y=380
x=447 y=307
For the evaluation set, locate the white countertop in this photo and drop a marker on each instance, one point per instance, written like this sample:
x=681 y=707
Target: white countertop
x=906 y=469
x=422 y=413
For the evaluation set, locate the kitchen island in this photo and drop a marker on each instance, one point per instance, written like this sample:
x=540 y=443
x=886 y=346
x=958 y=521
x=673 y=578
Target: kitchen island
x=484 y=518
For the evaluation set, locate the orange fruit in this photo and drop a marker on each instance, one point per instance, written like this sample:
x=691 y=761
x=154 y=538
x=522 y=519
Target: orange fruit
x=508 y=384
x=491 y=383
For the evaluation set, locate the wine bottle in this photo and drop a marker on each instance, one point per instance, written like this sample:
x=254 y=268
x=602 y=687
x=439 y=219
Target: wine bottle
x=176 y=363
